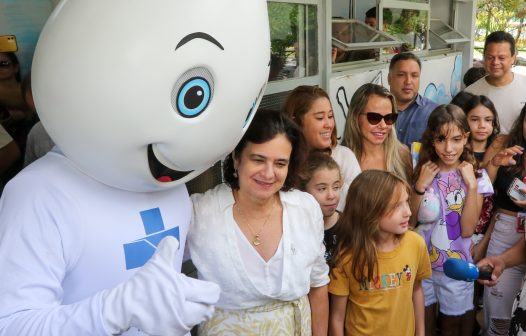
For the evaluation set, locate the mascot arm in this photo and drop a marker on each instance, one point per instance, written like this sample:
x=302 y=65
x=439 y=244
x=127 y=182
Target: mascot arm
x=33 y=265
x=158 y=299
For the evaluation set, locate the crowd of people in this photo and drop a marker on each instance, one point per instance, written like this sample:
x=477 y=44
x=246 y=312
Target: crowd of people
x=308 y=236
x=387 y=226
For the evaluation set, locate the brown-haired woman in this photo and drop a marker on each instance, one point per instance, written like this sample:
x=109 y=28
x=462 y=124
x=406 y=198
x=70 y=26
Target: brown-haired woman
x=260 y=240
x=310 y=107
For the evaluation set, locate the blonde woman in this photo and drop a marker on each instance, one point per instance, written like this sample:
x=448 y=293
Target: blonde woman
x=369 y=132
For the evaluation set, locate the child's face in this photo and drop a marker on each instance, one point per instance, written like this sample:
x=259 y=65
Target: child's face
x=325 y=186
x=480 y=121
x=397 y=220
x=449 y=146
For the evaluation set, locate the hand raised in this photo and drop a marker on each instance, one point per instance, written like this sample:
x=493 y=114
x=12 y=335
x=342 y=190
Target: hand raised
x=428 y=172
x=505 y=157
x=468 y=175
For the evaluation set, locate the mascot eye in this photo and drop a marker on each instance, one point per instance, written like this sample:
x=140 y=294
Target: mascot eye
x=193 y=92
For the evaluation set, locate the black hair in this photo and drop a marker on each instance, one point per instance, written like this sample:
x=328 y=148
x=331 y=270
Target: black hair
x=467 y=102
x=500 y=37
x=371 y=13
x=265 y=126
x=404 y=56
x=26 y=85
x=13 y=59
x=473 y=74
x=516 y=137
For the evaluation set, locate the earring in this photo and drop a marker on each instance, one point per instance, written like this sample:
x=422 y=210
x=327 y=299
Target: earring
x=235 y=173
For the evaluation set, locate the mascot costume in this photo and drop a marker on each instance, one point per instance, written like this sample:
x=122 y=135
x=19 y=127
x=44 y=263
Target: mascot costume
x=140 y=96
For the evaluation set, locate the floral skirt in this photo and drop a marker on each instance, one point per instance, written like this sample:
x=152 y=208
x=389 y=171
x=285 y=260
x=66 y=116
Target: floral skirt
x=276 y=318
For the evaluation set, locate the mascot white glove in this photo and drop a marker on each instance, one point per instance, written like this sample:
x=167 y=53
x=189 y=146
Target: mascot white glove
x=158 y=299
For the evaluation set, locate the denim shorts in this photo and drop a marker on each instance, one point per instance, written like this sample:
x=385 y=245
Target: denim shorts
x=454 y=297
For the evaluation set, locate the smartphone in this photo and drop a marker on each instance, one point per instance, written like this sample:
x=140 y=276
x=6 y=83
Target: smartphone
x=514 y=190
x=8 y=43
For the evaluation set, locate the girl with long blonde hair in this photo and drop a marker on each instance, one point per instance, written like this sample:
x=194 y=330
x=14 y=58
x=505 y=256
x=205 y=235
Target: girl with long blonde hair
x=379 y=264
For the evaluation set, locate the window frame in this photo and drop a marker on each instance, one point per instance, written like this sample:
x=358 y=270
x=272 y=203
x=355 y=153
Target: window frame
x=290 y=83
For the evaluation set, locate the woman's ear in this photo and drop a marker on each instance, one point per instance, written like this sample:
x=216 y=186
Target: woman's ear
x=235 y=160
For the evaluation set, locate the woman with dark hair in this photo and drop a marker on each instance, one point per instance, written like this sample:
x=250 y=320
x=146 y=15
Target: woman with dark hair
x=508 y=228
x=10 y=78
x=310 y=107
x=261 y=241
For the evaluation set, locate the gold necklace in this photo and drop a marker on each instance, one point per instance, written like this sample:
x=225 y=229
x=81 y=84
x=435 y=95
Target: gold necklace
x=256 y=240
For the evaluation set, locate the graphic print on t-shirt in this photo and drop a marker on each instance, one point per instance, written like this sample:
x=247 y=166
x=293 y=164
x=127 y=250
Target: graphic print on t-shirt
x=138 y=252
x=387 y=280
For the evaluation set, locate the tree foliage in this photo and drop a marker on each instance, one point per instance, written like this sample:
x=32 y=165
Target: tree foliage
x=508 y=15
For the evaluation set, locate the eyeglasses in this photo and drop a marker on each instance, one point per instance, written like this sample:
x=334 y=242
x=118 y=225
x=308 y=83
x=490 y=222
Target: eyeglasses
x=4 y=64
x=374 y=118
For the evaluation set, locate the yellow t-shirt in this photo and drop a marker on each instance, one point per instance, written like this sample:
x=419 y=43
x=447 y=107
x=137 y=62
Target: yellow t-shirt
x=384 y=306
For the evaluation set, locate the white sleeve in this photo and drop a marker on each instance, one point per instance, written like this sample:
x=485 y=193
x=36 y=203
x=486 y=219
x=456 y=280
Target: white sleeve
x=33 y=265
x=349 y=168
x=320 y=270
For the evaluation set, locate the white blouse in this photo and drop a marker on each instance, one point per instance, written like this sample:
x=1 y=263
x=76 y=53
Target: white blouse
x=214 y=249
x=349 y=168
x=265 y=275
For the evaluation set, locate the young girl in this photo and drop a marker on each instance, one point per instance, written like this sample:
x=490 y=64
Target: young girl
x=484 y=128
x=379 y=265
x=445 y=180
x=483 y=122
x=322 y=179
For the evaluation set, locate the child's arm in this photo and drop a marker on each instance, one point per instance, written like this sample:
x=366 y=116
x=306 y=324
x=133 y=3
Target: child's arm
x=419 y=308
x=337 y=315
x=425 y=177
x=479 y=250
x=472 y=203
x=319 y=305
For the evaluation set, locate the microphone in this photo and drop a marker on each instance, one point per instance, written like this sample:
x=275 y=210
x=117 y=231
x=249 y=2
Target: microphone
x=459 y=269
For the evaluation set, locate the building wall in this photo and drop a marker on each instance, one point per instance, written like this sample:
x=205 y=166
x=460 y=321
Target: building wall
x=440 y=81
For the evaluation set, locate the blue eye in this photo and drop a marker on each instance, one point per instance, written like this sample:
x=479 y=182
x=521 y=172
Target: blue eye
x=193 y=92
x=193 y=97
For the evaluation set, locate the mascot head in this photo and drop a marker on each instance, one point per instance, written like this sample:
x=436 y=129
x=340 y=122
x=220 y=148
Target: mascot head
x=144 y=95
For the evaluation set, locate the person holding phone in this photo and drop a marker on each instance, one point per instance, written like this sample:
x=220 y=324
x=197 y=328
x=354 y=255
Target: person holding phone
x=508 y=228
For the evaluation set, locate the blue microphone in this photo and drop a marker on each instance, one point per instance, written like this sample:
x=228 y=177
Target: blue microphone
x=459 y=269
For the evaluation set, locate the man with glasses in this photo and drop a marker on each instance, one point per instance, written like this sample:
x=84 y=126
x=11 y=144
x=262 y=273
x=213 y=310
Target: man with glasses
x=413 y=109
x=504 y=87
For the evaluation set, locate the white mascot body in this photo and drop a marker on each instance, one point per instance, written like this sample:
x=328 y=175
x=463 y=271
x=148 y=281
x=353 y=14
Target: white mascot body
x=140 y=96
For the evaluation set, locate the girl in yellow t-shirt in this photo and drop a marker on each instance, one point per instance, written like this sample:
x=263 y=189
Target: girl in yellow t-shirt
x=379 y=264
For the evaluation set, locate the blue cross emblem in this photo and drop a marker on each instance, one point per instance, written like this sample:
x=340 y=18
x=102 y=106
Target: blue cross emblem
x=138 y=252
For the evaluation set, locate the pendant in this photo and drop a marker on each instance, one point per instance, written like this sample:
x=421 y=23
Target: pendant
x=256 y=241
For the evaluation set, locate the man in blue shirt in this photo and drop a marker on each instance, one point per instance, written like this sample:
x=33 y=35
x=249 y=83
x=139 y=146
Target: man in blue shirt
x=413 y=109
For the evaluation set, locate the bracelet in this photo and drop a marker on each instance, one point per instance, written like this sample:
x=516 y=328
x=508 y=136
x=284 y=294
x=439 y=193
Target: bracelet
x=421 y=193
